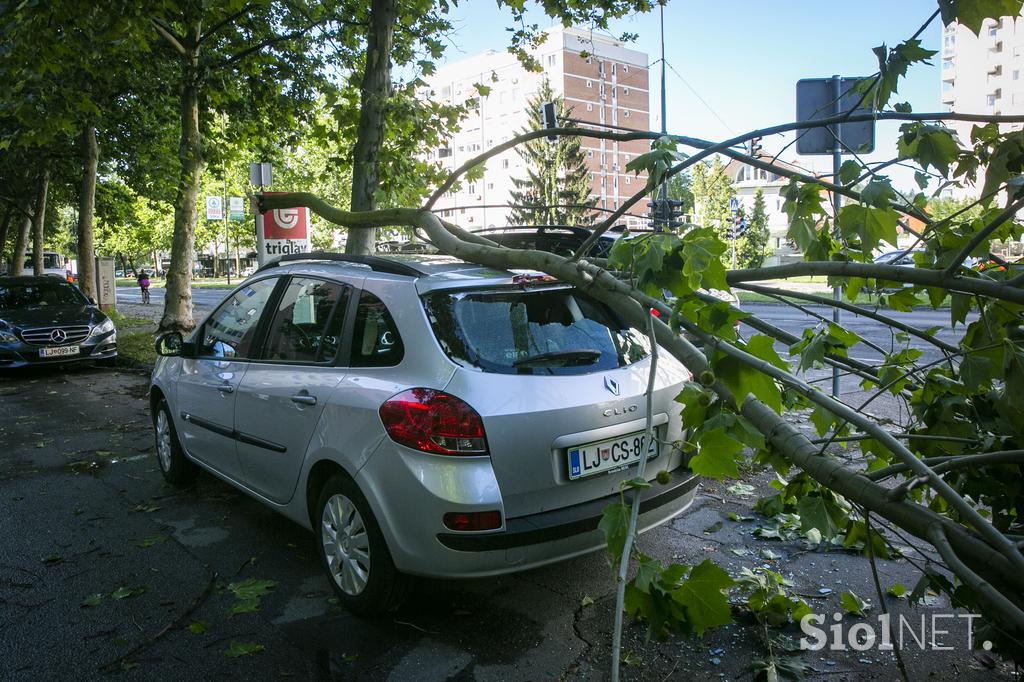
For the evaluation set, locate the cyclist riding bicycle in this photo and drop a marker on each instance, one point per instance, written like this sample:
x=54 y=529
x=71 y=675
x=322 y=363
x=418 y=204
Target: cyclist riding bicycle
x=143 y=280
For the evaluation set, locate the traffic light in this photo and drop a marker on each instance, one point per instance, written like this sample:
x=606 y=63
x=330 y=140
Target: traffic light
x=665 y=213
x=754 y=146
x=738 y=228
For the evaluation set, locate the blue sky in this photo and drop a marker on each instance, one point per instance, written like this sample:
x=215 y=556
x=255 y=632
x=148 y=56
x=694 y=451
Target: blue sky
x=743 y=57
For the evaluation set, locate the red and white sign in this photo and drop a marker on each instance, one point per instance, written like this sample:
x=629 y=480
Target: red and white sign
x=282 y=231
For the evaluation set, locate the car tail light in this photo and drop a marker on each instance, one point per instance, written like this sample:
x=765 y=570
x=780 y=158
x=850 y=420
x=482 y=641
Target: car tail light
x=488 y=520
x=433 y=421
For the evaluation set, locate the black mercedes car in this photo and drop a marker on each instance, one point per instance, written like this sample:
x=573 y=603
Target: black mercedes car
x=46 y=320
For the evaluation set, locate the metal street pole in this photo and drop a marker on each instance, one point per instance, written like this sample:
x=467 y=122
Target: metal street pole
x=837 y=161
x=663 y=210
x=227 y=225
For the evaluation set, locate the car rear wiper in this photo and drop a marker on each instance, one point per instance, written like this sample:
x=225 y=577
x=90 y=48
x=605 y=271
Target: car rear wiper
x=581 y=356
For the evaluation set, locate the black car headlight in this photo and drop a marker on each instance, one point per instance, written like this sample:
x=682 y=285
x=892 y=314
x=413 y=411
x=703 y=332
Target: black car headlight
x=7 y=336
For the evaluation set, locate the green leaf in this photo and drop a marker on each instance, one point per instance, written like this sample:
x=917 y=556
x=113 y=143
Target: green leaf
x=869 y=224
x=615 y=524
x=820 y=512
x=695 y=401
x=199 y=627
x=903 y=300
x=851 y=603
x=897 y=590
x=892 y=65
x=238 y=648
x=742 y=379
x=704 y=598
x=586 y=601
x=929 y=145
x=849 y=172
x=717 y=455
x=973 y=13
x=92 y=600
x=125 y=592
x=248 y=594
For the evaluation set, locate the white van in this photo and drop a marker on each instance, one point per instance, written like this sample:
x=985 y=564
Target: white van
x=53 y=264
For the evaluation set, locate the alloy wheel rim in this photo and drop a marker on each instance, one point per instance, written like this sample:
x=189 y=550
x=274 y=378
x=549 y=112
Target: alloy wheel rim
x=163 y=440
x=346 y=544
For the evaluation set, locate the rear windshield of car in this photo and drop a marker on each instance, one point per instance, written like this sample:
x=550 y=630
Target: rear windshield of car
x=38 y=294
x=542 y=331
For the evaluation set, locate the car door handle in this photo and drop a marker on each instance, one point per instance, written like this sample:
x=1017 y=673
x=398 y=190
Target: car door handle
x=226 y=388
x=304 y=399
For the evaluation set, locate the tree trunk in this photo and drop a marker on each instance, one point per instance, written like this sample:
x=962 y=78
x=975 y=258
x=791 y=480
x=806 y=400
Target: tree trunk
x=5 y=227
x=178 y=295
x=86 y=203
x=376 y=88
x=20 y=247
x=38 y=221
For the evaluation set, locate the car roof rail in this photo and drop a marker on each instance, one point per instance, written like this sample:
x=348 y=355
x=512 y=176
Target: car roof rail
x=375 y=263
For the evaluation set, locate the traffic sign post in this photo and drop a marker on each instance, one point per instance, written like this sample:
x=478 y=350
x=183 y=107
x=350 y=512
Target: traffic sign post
x=734 y=229
x=818 y=98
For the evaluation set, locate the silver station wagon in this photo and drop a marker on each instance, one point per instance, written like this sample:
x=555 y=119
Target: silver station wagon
x=421 y=416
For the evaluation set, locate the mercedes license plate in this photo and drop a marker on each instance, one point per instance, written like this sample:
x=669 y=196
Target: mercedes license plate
x=608 y=455
x=58 y=351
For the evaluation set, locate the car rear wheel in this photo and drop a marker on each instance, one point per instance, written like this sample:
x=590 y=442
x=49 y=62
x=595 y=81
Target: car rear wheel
x=353 y=551
x=174 y=465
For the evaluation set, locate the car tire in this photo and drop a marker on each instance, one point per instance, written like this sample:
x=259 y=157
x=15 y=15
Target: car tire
x=353 y=551
x=177 y=469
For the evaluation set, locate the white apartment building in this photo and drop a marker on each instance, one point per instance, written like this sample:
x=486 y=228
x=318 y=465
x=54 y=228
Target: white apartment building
x=747 y=180
x=983 y=74
x=602 y=81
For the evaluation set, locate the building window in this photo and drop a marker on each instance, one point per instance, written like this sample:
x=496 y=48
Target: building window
x=590 y=153
x=1016 y=74
x=625 y=91
x=551 y=60
x=443 y=152
x=590 y=83
x=947 y=64
x=629 y=180
x=490 y=185
x=590 y=60
x=471 y=189
x=947 y=86
x=993 y=30
x=991 y=100
x=613 y=68
x=625 y=68
x=590 y=105
x=949 y=40
x=625 y=114
x=504 y=163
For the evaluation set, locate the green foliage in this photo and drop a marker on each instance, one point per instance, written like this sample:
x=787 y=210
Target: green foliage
x=248 y=594
x=556 y=190
x=851 y=603
x=972 y=13
x=752 y=248
x=239 y=648
x=892 y=66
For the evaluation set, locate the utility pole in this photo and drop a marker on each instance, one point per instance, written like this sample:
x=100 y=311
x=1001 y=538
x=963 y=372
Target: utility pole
x=227 y=225
x=663 y=209
x=837 y=161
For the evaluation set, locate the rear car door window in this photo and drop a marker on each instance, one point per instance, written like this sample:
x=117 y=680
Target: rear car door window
x=230 y=331
x=542 y=331
x=375 y=339
x=303 y=329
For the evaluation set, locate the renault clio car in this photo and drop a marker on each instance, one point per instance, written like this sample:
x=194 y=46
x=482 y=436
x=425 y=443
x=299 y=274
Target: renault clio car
x=46 y=320
x=421 y=416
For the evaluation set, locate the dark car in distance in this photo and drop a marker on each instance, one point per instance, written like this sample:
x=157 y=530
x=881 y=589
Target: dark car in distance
x=45 y=320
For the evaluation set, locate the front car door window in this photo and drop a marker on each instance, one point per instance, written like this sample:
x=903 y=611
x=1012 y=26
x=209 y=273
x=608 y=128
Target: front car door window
x=300 y=331
x=230 y=331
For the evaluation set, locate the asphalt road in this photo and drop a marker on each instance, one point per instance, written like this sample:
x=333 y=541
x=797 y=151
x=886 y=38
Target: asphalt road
x=88 y=519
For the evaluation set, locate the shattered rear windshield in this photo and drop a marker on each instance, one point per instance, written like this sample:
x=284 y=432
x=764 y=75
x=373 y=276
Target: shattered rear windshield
x=552 y=331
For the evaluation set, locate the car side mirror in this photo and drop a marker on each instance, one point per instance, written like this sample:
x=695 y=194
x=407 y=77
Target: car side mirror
x=92 y=301
x=172 y=344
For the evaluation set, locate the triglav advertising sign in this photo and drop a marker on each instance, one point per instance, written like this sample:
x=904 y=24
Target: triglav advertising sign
x=282 y=231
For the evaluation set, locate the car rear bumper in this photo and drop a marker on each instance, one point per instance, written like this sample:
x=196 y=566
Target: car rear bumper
x=410 y=493
x=581 y=518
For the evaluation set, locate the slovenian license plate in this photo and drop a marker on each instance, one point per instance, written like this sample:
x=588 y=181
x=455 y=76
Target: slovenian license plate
x=608 y=455
x=58 y=351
